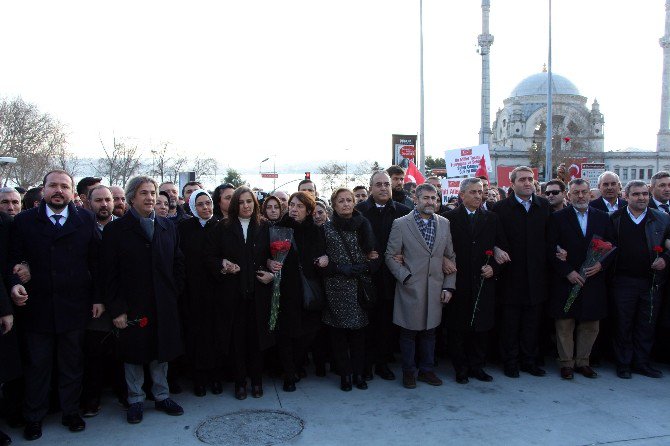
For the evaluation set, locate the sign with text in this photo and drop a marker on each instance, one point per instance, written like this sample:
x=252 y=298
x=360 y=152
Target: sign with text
x=404 y=149
x=503 y=172
x=465 y=162
x=591 y=172
x=450 y=188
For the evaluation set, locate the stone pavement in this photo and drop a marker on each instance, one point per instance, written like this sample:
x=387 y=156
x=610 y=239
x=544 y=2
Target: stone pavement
x=524 y=411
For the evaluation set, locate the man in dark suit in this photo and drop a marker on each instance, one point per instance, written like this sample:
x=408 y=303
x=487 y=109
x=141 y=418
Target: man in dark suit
x=144 y=274
x=640 y=271
x=660 y=192
x=573 y=229
x=381 y=210
x=57 y=240
x=524 y=217
x=470 y=314
x=610 y=189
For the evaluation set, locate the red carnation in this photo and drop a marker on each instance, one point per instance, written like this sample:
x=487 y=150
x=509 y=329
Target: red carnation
x=657 y=249
x=488 y=252
x=567 y=139
x=279 y=246
x=144 y=322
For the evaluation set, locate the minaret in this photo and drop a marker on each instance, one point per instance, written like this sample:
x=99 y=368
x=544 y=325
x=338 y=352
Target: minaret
x=485 y=40
x=663 y=144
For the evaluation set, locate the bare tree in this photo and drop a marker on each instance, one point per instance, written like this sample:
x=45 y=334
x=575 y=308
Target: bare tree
x=120 y=162
x=333 y=176
x=204 y=166
x=66 y=160
x=30 y=136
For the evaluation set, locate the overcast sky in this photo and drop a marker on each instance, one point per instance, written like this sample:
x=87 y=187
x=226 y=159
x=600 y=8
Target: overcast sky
x=317 y=79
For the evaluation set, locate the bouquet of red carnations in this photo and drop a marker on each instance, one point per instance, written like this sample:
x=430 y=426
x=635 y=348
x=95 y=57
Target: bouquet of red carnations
x=280 y=245
x=598 y=250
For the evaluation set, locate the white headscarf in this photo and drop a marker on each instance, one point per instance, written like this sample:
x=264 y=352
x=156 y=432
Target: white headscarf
x=191 y=204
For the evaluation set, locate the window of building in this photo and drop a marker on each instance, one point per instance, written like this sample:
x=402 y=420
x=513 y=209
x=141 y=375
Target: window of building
x=617 y=171
x=633 y=174
x=642 y=174
x=625 y=174
x=650 y=173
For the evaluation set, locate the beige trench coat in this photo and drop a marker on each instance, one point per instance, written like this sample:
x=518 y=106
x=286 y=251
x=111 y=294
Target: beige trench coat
x=417 y=303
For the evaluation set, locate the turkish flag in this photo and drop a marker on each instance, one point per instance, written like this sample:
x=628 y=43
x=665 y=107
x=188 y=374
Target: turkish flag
x=481 y=171
x=413 y=175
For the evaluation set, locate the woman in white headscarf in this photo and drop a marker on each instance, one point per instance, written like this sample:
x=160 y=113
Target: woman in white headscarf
x=201 y=313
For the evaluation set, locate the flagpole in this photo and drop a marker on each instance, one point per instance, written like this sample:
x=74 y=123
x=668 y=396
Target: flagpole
x=548 y=167
x=422 y=151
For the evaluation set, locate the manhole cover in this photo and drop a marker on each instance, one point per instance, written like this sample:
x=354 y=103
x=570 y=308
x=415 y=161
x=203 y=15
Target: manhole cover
x=250 y=427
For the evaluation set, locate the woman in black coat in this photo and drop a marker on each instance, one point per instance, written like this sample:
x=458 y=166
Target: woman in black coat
x=237 y=250
x=9 y=349
x=350 y=247
x=201 y=312
x=296 y=327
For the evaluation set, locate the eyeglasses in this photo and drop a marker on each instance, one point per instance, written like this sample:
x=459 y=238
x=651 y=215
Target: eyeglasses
x=552 y=192
x=380 y=185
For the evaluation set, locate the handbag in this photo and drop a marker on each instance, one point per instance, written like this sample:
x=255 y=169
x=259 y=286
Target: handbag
x=366 y=293
x=313 y=295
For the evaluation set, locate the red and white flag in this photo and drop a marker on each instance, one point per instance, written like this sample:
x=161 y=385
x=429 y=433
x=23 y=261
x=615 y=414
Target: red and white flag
x=482 y=171
x=413 y=175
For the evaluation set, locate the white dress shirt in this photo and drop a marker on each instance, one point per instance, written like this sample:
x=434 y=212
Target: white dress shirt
x=64 y=212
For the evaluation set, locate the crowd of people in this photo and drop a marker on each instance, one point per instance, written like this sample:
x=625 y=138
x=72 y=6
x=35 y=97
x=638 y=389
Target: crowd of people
x=140 y=289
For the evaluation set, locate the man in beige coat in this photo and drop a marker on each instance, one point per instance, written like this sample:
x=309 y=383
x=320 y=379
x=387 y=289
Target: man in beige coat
x=423 y=239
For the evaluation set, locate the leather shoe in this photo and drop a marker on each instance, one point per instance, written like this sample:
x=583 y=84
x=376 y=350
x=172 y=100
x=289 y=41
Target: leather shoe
x=4 y=439
x=256 y=391
x=408 y=380
x=73 y=422
x=217 y=387
x=567 y=372
x=647 y=370
x=480 y=375
x=33 y=430
x=384 y=372
x=169 y=406
x=360 y=382
x=429 y=378
x=345 y=383
x=367 y=374
x=511 y=371
x=241 y=392
x=533 y=370
x=135 y=413
x=623 y=372
x=90 y=410
x=586 y=371
x=462 y=378
x=289 y=385
x=199 y=390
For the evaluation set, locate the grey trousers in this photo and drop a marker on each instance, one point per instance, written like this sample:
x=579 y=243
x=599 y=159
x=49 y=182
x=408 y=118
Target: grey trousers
x=566 y=338
x=135 y=380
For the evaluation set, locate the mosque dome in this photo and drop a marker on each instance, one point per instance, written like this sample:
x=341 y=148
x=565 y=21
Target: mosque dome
x=537 y=85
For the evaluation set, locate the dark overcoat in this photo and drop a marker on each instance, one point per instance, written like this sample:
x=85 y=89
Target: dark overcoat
x=599 y=204
x=9 y=348
x=470 y=246
x=524 y=279
x=564 y=231
x=201 y=310
x=293 y=320
x=62 y=264
x=226 y=241
x=143 y=278
x=381 y=220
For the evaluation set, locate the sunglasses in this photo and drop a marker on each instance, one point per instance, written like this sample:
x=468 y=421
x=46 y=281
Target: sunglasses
x=552 y=192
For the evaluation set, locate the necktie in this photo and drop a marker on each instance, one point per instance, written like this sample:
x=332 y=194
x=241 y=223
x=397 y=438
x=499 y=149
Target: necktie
x=666 y=208
x=57 y=218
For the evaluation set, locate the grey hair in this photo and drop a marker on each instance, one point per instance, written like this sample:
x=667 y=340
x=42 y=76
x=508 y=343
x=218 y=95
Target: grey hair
x=424 y=187
x=658 y=175
x=634 y=183
x=468 y=182
x=579 y=182
x=99 y=186
x=379 y=172
x=134 y=184
x=6 y=190
x=607 y=172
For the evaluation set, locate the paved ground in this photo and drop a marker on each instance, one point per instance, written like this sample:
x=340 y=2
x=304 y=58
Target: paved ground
x=524 y=411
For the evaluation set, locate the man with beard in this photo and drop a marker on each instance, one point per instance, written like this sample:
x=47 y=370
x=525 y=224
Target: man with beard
x=360 y=194
x=10 y=201
x=186 y=192
x=119 y=199
x=176 y=212
x=610 y=188
x=381 y=211
x=83 y=187
x=58 y=242
x=555 y=194
x=660 y=192
x=397 y=175
x=423 y=239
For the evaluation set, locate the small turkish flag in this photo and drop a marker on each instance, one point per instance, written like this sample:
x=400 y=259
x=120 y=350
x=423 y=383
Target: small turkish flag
x=481 y=170
x=413 y=175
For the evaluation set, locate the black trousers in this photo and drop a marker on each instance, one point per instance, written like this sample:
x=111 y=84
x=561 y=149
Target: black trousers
x=348 y=350
x=40 y=349
x=380 y=339
x=247 y=357
x=519 y=334
x=100 y=362
x=635 y=322
x=292 y=351
x=468 y=349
